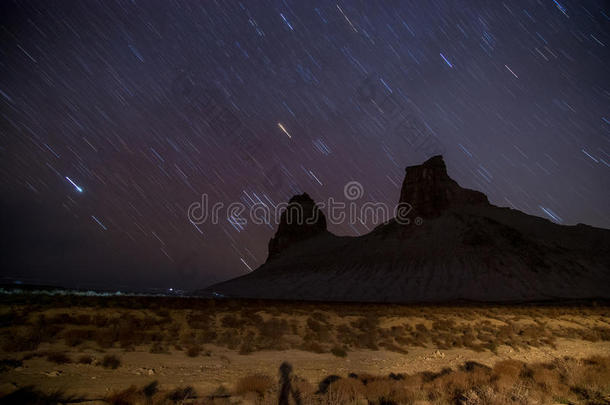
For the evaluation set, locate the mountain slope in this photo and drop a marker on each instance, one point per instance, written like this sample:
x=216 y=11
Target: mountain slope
x=465 y=249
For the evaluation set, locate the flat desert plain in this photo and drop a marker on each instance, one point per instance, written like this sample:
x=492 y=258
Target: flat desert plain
x=161 y=350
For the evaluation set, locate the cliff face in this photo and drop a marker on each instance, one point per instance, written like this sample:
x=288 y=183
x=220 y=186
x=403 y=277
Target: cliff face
x=465 y=249
x=300 y=221
x=430 y=191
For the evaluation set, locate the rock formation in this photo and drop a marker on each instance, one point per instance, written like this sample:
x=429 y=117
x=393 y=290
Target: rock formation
x=430 y=191
x=465 y=249
x=301 y=220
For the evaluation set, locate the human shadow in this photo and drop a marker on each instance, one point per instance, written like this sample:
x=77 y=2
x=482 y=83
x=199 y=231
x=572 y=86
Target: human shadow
x=286 y=389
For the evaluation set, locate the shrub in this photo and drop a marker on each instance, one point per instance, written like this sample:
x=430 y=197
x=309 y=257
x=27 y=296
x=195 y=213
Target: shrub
x=8 y=364
x=314 y=347
x=58 y=358
x=346 y=390
x=31 y=395
x=85 y=359
x=193 y=351
x=24 y=342
x=150 y=389
x=127 y=396
x=338 y=351
x=198 y=320
x=257 y=383
x=181 y=393
x=105 y=338
x=74 y=337
x=158 y=348
x=273 y=329
x=111 y=361
x=246 y=347
x=230 y=321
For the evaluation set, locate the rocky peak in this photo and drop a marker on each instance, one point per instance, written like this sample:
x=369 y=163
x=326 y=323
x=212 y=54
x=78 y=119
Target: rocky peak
x=430 y=191
x=301 y=220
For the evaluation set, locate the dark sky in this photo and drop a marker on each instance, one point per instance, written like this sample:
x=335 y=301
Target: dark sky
x=117 y=115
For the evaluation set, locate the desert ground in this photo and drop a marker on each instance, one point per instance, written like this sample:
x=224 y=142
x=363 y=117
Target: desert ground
x=162 y=350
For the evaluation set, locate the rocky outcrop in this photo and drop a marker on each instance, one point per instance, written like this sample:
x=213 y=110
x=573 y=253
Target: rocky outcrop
x=301 y=220
x=465 y=249
x=429 y=190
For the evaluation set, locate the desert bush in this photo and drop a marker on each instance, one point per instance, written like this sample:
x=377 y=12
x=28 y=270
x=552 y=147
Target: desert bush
x=271 y=333
x=181 y=394
x=230 y=339
x=111 y=361
x=128 y=396
x=31 y=395
x=105 y=338
x=508 y=382
x=162 y=313
x=230 y=321
x=158 y=348
x=345 y=390
x=338 y=351
x=247 y=347
x=12 y=317
x=314 y=325
x=257 y=383
x=74 y=337
x=61 y=318
x=100 y=320
x=193 y=351
x=150 y=389
x=20 y=344
x=387 y=391
x=9 y=364
x=85 y=359
x=314 y=347
x=133 y=395
x=389 y=345
x=198 y=320
x=208 y=336
x=320 y=316
x=58 y=358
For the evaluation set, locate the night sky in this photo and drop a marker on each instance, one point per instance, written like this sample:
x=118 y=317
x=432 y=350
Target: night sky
x=115 y=116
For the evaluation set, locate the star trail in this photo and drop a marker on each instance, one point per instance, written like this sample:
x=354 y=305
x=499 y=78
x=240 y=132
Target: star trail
x=115 y=116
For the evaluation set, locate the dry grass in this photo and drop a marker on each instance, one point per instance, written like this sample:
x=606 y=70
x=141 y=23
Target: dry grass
x=338 y=351
x=85 y=359
x=257 y=383
x=194 y=350
x=58 y=358
x=564 y=380
x=111 y=361
x=248 y=326
x=150 y=394
x=31 y=395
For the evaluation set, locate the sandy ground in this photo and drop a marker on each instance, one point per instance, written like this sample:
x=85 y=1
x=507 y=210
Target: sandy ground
x=225 y=367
